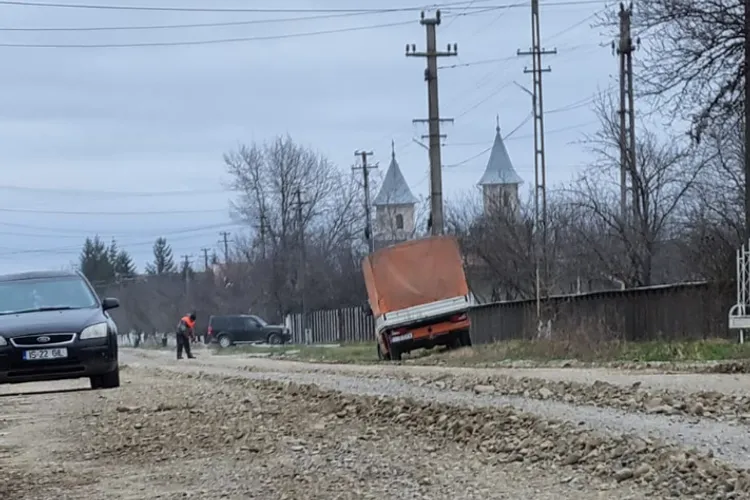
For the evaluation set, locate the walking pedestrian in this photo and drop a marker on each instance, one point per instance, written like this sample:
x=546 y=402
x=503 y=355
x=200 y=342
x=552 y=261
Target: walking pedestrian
x=184 y=334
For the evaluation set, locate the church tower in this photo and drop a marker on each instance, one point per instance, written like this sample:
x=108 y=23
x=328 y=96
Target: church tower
x=395 y=218
x=500 y=181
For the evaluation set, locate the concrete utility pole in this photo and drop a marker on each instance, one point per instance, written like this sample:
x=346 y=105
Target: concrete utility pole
x=431 y=76
x=747 y=122
x=624 y=50
x=366 y=178
x=540 y=167
x=205 y=257
x=225 y=241
x=186 y=269
x=303 y=259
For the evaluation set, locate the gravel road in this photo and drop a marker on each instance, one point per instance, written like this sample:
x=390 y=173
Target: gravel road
x=725 y=440
x=168 y=435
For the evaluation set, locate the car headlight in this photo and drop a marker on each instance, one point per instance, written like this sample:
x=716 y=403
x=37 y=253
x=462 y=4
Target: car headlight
x=3 y=342
x=96 y=331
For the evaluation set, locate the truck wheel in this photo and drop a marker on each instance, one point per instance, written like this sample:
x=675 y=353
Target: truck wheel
x=383 y=356
x=225 y=341
x=395 y=353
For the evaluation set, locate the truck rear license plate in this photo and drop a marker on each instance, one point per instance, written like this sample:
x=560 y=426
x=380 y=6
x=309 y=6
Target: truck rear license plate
x=401 y=338
x=42 y=354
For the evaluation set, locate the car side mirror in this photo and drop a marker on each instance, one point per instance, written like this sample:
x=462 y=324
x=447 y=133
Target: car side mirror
x=110 y=303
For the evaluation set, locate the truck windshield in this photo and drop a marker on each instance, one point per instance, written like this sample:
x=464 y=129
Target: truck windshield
x=45 y=294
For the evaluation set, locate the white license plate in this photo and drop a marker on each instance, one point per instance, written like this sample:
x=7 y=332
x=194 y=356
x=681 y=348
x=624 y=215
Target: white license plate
x=401 y=338
x=40 y=354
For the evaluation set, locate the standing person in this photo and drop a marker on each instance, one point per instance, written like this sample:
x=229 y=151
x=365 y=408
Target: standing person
x=185 y=332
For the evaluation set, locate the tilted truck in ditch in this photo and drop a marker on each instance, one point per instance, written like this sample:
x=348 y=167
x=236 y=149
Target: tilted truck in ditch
x=418 y=295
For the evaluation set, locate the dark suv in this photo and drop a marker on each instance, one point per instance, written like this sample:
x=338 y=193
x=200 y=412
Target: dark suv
x=53 y=326
x=228 y=330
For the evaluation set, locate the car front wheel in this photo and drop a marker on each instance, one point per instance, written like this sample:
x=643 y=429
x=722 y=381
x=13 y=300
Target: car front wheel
x=109 y=380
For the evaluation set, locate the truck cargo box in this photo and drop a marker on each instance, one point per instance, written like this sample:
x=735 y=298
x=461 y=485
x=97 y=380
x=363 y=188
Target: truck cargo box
x=414 y=273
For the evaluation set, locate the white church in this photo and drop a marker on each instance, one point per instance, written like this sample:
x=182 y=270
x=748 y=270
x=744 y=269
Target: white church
x=395 y=204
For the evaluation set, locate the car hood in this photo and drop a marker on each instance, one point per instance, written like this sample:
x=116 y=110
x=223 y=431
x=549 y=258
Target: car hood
x=73 y=320
x=275 y=327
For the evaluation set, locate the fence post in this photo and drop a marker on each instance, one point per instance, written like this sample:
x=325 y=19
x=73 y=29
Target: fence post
x=340 y=325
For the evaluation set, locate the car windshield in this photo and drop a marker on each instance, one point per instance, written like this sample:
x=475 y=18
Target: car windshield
x=45 y=294
x=260 y=320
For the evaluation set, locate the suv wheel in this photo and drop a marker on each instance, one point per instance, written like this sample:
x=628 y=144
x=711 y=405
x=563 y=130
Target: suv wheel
x=274 y=339
x=225 y=341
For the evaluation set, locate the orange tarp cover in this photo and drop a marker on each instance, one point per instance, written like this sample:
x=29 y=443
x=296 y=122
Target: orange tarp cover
x=414 y=273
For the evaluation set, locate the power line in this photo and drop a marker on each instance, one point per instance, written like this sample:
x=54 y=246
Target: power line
x=75 y=249
x=97 y=212
x=276 y=11
x=226 y=40
x=187 y=26
x=204 y=42
x=77 y=191
x=82 y=234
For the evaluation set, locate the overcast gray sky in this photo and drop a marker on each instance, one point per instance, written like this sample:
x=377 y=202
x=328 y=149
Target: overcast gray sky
x=90 y=129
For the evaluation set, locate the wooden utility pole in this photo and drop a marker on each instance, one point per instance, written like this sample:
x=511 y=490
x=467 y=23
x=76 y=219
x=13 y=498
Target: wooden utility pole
x=624 y=50
x=540 y=167
x=263 y=235
x=225 y=241
x=747 y=121
x=205 y=257
x=431 y=76
x=186 y=270
x=302 y=261
x=366 y=179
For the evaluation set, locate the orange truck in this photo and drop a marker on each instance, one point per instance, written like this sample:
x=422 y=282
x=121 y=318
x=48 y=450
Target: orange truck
x=418 y=295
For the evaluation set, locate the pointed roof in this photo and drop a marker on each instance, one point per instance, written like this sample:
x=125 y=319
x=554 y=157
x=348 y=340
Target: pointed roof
x=499 y=167
x=395 y=190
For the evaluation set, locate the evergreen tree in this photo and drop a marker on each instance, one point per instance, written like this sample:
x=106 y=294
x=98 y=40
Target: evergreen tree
x=94 y=260
x=124 y=266
x=122 y=262
x=163 y=259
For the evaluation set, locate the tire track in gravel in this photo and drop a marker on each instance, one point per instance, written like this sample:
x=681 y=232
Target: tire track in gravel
x=683 y=395
x=730 y=443
x=150 y=439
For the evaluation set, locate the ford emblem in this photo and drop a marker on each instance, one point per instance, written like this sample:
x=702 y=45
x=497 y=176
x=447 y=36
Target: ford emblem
x=43 y=339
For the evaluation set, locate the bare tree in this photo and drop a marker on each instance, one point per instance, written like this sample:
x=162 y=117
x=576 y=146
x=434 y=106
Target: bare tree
x=666 y=172
x=712 y=228
x=693 y=58
x=268 y=177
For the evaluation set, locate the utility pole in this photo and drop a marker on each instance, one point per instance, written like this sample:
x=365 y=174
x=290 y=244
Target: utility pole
x=747 y=122
x=205 y=257
x=225 y=241
x=431 y=76
x=366 y=178
x=540 y=167
x=624 y=50
x=186 y=270
x=302 y=261
x=263 y=235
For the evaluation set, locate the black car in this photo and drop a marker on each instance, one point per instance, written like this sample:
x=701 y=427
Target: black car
x=53 y=326
x=228 y=330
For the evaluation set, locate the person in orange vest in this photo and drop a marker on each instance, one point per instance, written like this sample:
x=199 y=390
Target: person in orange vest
x=185 y=332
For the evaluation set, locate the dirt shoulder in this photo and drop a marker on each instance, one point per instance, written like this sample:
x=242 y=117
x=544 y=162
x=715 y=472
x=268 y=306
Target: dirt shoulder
x=172 y=435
